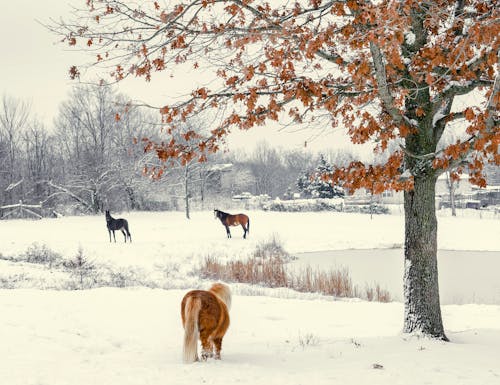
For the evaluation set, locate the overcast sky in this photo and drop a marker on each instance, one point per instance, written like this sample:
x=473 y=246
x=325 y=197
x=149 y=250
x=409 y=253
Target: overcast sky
x=34 y=67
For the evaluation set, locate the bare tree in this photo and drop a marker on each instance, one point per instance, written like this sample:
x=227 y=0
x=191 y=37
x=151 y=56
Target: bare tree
x=38 y=149
x=266 y=164
x=14 y=115
x=101 y=159
x=451 y=183
x=188 y=176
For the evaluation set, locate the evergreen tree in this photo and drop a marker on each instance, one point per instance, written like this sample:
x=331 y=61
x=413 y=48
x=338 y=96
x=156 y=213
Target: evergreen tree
x=303 y=183
x=317 y=183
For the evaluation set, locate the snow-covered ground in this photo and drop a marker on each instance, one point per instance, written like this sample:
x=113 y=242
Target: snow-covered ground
x=168 y=236
x=133 y=336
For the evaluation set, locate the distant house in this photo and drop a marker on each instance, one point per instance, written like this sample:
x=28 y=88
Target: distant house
x=466 y=194
x=236 y=178
x=218 y=176
x=461 y=187
x=244 y=196
x=490 y=195
x=363 y=197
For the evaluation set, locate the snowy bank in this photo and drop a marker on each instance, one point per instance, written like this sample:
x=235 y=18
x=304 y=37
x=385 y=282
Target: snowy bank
x=121 y=337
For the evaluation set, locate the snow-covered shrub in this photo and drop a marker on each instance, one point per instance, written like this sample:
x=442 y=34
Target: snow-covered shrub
x=373 y=208
x=272 y=248
x=334 y=204
x=125 y=277
x=82 y=270
x=41 y=254
x=307 y=340
x=299 y=205
x=12 y=281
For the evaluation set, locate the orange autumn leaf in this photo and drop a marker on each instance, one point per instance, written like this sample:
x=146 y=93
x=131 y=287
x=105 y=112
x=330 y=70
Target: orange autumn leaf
x=469 y=114
x=419 y=111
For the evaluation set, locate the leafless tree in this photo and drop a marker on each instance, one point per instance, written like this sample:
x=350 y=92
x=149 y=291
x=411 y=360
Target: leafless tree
x=38 y=152
x=14 y=115
x=96 y=130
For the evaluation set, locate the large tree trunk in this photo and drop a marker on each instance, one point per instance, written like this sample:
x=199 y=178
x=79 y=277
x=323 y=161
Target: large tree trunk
x=421 y=289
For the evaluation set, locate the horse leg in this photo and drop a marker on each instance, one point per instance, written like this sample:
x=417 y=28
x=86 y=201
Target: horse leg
x=217 y=347
x=109 y=231
x=244 y=231
x=124 y=234
x=114 y=236
x=206 y=346
x=228 y=232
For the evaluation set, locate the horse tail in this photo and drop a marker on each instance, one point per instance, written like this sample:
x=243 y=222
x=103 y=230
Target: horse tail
x=125 y=226
x=248 y=225
x=191 y=330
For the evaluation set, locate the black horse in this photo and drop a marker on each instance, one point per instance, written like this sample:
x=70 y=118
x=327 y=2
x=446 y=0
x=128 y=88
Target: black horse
x=233 y=220
x=117 y=224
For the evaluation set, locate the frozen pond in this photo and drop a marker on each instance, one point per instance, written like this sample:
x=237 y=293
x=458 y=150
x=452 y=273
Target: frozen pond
x=464 y=276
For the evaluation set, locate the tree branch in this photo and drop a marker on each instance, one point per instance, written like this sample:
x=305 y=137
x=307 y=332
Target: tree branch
x=492 y=107
x=383 y=88
x=70 y=193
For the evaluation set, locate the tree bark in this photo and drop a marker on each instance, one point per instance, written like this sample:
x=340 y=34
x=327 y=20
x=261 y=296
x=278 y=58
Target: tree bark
x=186 y=191
x=421 y=289
x=451 y=189
x=131 y=197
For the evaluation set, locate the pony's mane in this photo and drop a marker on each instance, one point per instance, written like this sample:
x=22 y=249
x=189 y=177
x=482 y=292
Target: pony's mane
x=223 y=292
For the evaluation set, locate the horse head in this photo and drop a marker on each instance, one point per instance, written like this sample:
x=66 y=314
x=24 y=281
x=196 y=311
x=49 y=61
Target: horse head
x=108 y=216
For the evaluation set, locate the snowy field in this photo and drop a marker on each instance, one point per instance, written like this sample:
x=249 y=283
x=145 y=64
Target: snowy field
x=168 y=236
x=133 y=336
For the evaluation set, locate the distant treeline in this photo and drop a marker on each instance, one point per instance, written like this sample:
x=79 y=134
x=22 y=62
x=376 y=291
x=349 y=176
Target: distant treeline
x=88 y=160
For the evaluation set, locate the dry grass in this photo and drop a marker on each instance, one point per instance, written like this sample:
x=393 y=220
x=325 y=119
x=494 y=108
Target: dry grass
x=337 y=283
x=268 y=273
x=267 y=268
x=377 y=294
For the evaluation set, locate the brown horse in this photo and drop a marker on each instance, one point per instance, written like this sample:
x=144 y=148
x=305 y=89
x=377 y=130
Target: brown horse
x=205 y=315
x=233 y=220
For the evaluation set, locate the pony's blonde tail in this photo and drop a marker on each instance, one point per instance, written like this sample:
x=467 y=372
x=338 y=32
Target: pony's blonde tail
x=191 y=332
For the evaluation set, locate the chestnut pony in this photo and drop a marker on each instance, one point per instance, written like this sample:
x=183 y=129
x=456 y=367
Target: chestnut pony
x=233 y=220
x=205 y=316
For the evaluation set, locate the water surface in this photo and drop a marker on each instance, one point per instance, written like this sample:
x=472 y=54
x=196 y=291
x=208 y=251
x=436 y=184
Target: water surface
x=464 y=276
